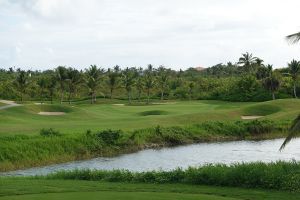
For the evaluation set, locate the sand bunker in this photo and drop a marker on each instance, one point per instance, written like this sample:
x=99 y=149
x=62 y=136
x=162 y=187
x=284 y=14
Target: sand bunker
x=251 y=117
x=51 y=113
x=164 y=103
x=119 y=104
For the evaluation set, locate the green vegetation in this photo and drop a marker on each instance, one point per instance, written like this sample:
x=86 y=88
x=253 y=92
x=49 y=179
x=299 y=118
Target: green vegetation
x=30 y=188
x=82 y=116
x=279 y=175
x=20 y=151
x=261 y=109
x=247 y=80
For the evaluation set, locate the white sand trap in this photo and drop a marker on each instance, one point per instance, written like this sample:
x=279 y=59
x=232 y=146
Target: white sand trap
x=164 y=103
x=119 y=104
x=251 y=117
x=51 y=113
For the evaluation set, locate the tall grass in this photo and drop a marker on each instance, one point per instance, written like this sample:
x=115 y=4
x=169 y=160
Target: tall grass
x=53 y=147
x=279 y=175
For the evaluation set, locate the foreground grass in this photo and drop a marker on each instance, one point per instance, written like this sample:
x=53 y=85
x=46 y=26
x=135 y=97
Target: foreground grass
x=110 y=114
x=26 y=188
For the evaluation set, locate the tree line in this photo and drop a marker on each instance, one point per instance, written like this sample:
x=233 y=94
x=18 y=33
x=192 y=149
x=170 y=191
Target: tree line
x=249 y=79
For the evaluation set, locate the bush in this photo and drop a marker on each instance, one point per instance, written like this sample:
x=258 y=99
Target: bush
x=49 y=132
x=256 y=127
x=109 y=137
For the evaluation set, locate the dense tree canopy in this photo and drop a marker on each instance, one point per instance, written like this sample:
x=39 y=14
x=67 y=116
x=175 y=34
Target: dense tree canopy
x=249 y=79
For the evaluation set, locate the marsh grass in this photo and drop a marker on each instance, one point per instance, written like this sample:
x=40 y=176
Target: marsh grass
x=277 y=175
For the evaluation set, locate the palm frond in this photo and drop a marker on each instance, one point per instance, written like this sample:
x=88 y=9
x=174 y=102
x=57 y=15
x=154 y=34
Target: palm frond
x=294 y=130
x=293 y=38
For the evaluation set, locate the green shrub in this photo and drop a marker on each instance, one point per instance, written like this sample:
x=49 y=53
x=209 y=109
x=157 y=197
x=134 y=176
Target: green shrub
x=110 y=137
x=49 y=132
x=256 y=127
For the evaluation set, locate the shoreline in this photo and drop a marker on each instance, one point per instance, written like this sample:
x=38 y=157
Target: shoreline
x=134 y=149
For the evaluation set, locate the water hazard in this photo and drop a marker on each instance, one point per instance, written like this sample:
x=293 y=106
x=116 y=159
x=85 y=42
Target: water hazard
x=182 y=156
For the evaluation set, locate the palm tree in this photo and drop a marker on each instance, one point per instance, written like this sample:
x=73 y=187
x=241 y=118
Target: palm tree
x=294 y=130
x=294 y=70
x=162 y=80
x=247 y=61
x=149 y=81
x=22 y=82
x=61 y=76
x=42 y=83
x=272 y=82
x=113 y=79
x=128 y=79
x=191 y=87
x=51 y=85
x=139 y=83
x=93 y=76
x=73 y=80
x=259 y=62
x=293 y=38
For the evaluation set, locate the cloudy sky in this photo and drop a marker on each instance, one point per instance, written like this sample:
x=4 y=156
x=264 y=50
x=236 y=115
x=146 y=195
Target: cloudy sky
x=42 y=34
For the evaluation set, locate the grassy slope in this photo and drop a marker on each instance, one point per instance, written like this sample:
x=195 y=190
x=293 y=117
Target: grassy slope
x=80 y=117
x=2 y=104
x=66 y=189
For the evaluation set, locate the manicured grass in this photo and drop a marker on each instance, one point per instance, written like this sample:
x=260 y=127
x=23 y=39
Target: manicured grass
x=82 y=116
x=26 y=188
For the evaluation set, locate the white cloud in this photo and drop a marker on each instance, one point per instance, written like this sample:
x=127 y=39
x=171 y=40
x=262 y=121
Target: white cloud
x=177 y=33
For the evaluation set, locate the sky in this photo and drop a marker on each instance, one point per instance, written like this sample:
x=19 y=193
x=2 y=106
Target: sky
x=43 y=34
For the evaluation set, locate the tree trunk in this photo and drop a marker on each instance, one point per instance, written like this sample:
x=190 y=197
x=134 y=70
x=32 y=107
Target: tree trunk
x=61 y=96
x=273 y=95
x=162 y=95
x=69 y=98
x=111 y=92
x=129 y=97
x=92 y=98
x=295 y=91
x=139 y=96
x=148 y=96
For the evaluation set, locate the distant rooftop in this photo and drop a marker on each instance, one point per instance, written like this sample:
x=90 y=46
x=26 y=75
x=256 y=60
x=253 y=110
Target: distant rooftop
x=199 y=68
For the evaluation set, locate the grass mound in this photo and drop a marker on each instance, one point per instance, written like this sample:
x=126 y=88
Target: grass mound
x=261 y=110
x=153 y=112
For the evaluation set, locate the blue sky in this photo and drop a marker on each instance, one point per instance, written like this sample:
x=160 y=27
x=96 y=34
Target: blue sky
x=42 y=34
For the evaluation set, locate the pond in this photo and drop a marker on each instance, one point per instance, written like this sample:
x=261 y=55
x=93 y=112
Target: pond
x=181 y=156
